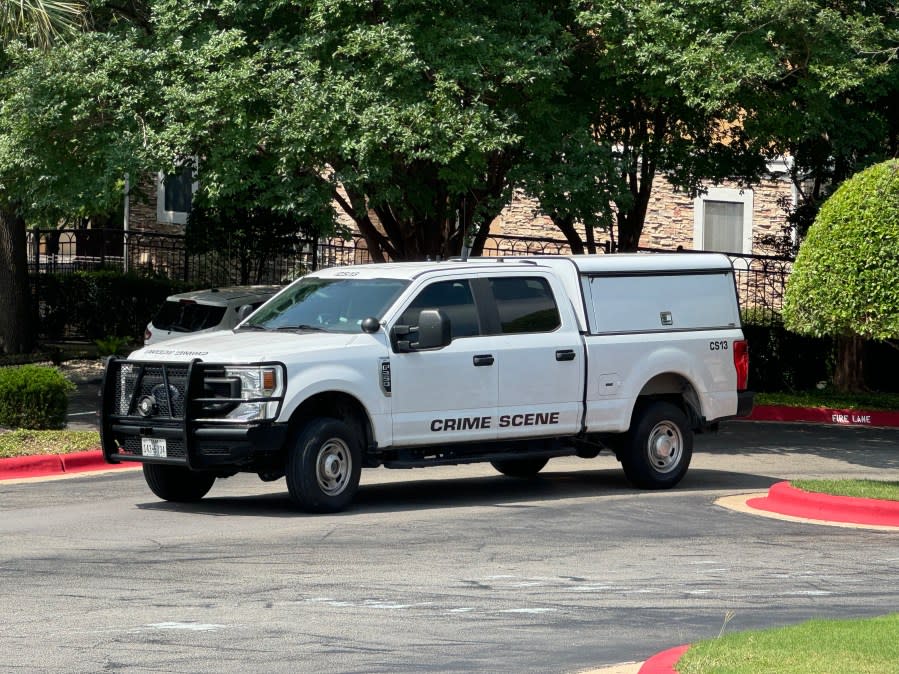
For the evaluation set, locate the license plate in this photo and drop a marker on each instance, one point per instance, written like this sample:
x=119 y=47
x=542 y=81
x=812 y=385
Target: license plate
x=154 y=447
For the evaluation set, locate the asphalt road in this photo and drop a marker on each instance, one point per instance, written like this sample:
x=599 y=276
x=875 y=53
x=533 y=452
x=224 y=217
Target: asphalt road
x=450 y=569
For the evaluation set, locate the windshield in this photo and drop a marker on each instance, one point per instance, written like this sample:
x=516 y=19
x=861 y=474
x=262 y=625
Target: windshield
x=329 y=305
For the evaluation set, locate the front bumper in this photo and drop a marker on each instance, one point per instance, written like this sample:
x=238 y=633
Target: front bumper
x=201 y=448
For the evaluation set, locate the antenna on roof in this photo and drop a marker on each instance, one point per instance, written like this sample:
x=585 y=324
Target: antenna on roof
x=461 y=226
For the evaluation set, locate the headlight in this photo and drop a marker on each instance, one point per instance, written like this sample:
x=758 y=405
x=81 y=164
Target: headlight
x=257 y=384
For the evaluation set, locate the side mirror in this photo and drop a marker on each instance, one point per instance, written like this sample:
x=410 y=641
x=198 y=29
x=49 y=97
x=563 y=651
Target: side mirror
x=433 y=330
x=244 y=311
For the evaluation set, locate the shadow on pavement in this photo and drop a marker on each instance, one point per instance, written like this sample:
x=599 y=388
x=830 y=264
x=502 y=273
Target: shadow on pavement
x=499 y=492
x=870 y=447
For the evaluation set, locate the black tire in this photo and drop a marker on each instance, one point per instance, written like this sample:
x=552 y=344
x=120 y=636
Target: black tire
x=174 y=483
x=658 y=447
x=524 y=468
x=324 y=466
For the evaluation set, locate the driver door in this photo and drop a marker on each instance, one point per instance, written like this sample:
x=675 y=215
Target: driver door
x=447 y=394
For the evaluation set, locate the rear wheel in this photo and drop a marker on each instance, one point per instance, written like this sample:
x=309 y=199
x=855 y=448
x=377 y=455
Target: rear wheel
x=657 y=449
x=324 y=466
x=520 y=467
x=175 y=483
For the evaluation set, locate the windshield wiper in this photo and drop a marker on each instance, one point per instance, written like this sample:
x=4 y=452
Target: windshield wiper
x=301 y=326
x=252 y=327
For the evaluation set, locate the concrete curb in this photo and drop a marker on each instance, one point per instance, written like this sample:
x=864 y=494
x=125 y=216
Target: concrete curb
x=785 y=499
x=54 y=464
x=824 y=415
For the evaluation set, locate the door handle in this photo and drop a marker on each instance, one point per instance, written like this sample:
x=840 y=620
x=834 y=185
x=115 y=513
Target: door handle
x=565 y=354
x=481 y=361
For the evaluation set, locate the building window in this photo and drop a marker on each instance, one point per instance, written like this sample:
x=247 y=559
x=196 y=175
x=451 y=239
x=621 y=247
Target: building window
x=723 y=221
x=174 y=195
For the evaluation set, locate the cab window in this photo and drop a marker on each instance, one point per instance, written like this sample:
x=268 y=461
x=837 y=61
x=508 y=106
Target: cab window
x=454 y=298
x=525 y=305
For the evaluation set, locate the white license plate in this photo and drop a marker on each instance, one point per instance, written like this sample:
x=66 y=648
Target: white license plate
x=153 y=447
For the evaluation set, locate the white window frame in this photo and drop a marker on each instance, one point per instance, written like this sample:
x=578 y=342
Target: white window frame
x=172 y=217
x=736 y=196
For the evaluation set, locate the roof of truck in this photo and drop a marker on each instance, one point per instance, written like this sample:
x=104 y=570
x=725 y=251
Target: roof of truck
x=589 y=264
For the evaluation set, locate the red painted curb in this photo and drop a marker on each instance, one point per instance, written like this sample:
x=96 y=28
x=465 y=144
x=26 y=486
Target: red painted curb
x=664 y=662
x=824 y=415
x=55 y=464
x=787 y=500
x=78 y=462
x=29 y=466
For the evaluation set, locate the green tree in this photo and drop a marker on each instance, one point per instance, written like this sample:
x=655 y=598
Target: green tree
x=835 y=109
x=68 y=139
x=36 y=23
x=845 y=281
x=408 y=114
x=699 y=91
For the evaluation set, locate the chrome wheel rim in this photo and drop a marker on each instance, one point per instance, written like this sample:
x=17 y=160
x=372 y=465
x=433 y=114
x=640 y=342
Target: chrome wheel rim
x=665 y=447
x=333 y=466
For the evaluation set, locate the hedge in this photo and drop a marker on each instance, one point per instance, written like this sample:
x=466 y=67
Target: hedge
x=33 y=397
x=99 y=304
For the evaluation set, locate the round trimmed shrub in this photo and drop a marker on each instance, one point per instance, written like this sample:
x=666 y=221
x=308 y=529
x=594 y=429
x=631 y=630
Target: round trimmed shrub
x=845 y=281
x=33 y=397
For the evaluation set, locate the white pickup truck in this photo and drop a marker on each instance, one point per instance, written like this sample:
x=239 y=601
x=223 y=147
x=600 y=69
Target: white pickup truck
x=506 y=360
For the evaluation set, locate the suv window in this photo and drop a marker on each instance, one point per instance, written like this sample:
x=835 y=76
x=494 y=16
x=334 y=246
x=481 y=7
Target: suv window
x=454 y=298
x=525 y=305
x=188 y=316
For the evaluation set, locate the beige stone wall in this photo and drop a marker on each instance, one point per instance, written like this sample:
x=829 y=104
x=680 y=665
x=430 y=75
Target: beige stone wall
x=669 y=219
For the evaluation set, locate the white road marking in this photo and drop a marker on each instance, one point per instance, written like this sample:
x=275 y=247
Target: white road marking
x=190 y=627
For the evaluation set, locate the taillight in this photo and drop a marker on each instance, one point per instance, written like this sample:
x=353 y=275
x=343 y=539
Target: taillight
x=741 y=363
x=147 y=335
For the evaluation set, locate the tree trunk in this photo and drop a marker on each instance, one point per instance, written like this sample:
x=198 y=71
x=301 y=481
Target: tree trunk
x=565 y=223
x=16 y=324
x=849 y=373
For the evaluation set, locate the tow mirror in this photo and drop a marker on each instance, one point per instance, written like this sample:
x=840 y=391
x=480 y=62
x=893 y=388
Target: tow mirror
x=433 y=330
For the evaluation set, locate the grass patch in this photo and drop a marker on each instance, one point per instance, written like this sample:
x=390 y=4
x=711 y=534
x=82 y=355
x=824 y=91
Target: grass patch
x=815 y=647
x=887 y=491
x=29 y=443
x=883 y=402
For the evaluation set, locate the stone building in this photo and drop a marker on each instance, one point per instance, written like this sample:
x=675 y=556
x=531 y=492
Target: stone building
x=724 y=218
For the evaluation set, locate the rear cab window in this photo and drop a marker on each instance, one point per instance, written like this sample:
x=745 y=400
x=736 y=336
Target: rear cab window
x=525 y=305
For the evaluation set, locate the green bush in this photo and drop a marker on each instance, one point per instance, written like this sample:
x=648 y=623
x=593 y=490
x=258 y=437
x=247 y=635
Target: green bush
x=33 y=397
x=100 y=304
x=845 y=280
x=780 y=360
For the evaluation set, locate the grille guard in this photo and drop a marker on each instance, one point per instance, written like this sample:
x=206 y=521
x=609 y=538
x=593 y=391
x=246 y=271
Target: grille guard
x=163 y=400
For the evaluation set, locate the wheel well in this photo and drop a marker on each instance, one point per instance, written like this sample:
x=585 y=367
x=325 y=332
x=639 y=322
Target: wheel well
x=334 y=405
x=677 y=390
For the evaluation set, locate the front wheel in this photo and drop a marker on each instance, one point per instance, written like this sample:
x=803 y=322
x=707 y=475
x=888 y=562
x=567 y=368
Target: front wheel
x=657 y=449
x=178 y=484
x=324 y=466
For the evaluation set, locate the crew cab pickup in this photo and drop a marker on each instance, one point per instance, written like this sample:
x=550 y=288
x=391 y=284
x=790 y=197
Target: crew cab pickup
x=507 y=360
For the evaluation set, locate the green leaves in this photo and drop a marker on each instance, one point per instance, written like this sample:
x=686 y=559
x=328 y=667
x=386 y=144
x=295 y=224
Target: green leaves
x=846 y=278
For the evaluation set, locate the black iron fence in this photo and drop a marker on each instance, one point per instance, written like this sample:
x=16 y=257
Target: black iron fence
x=761 y=279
